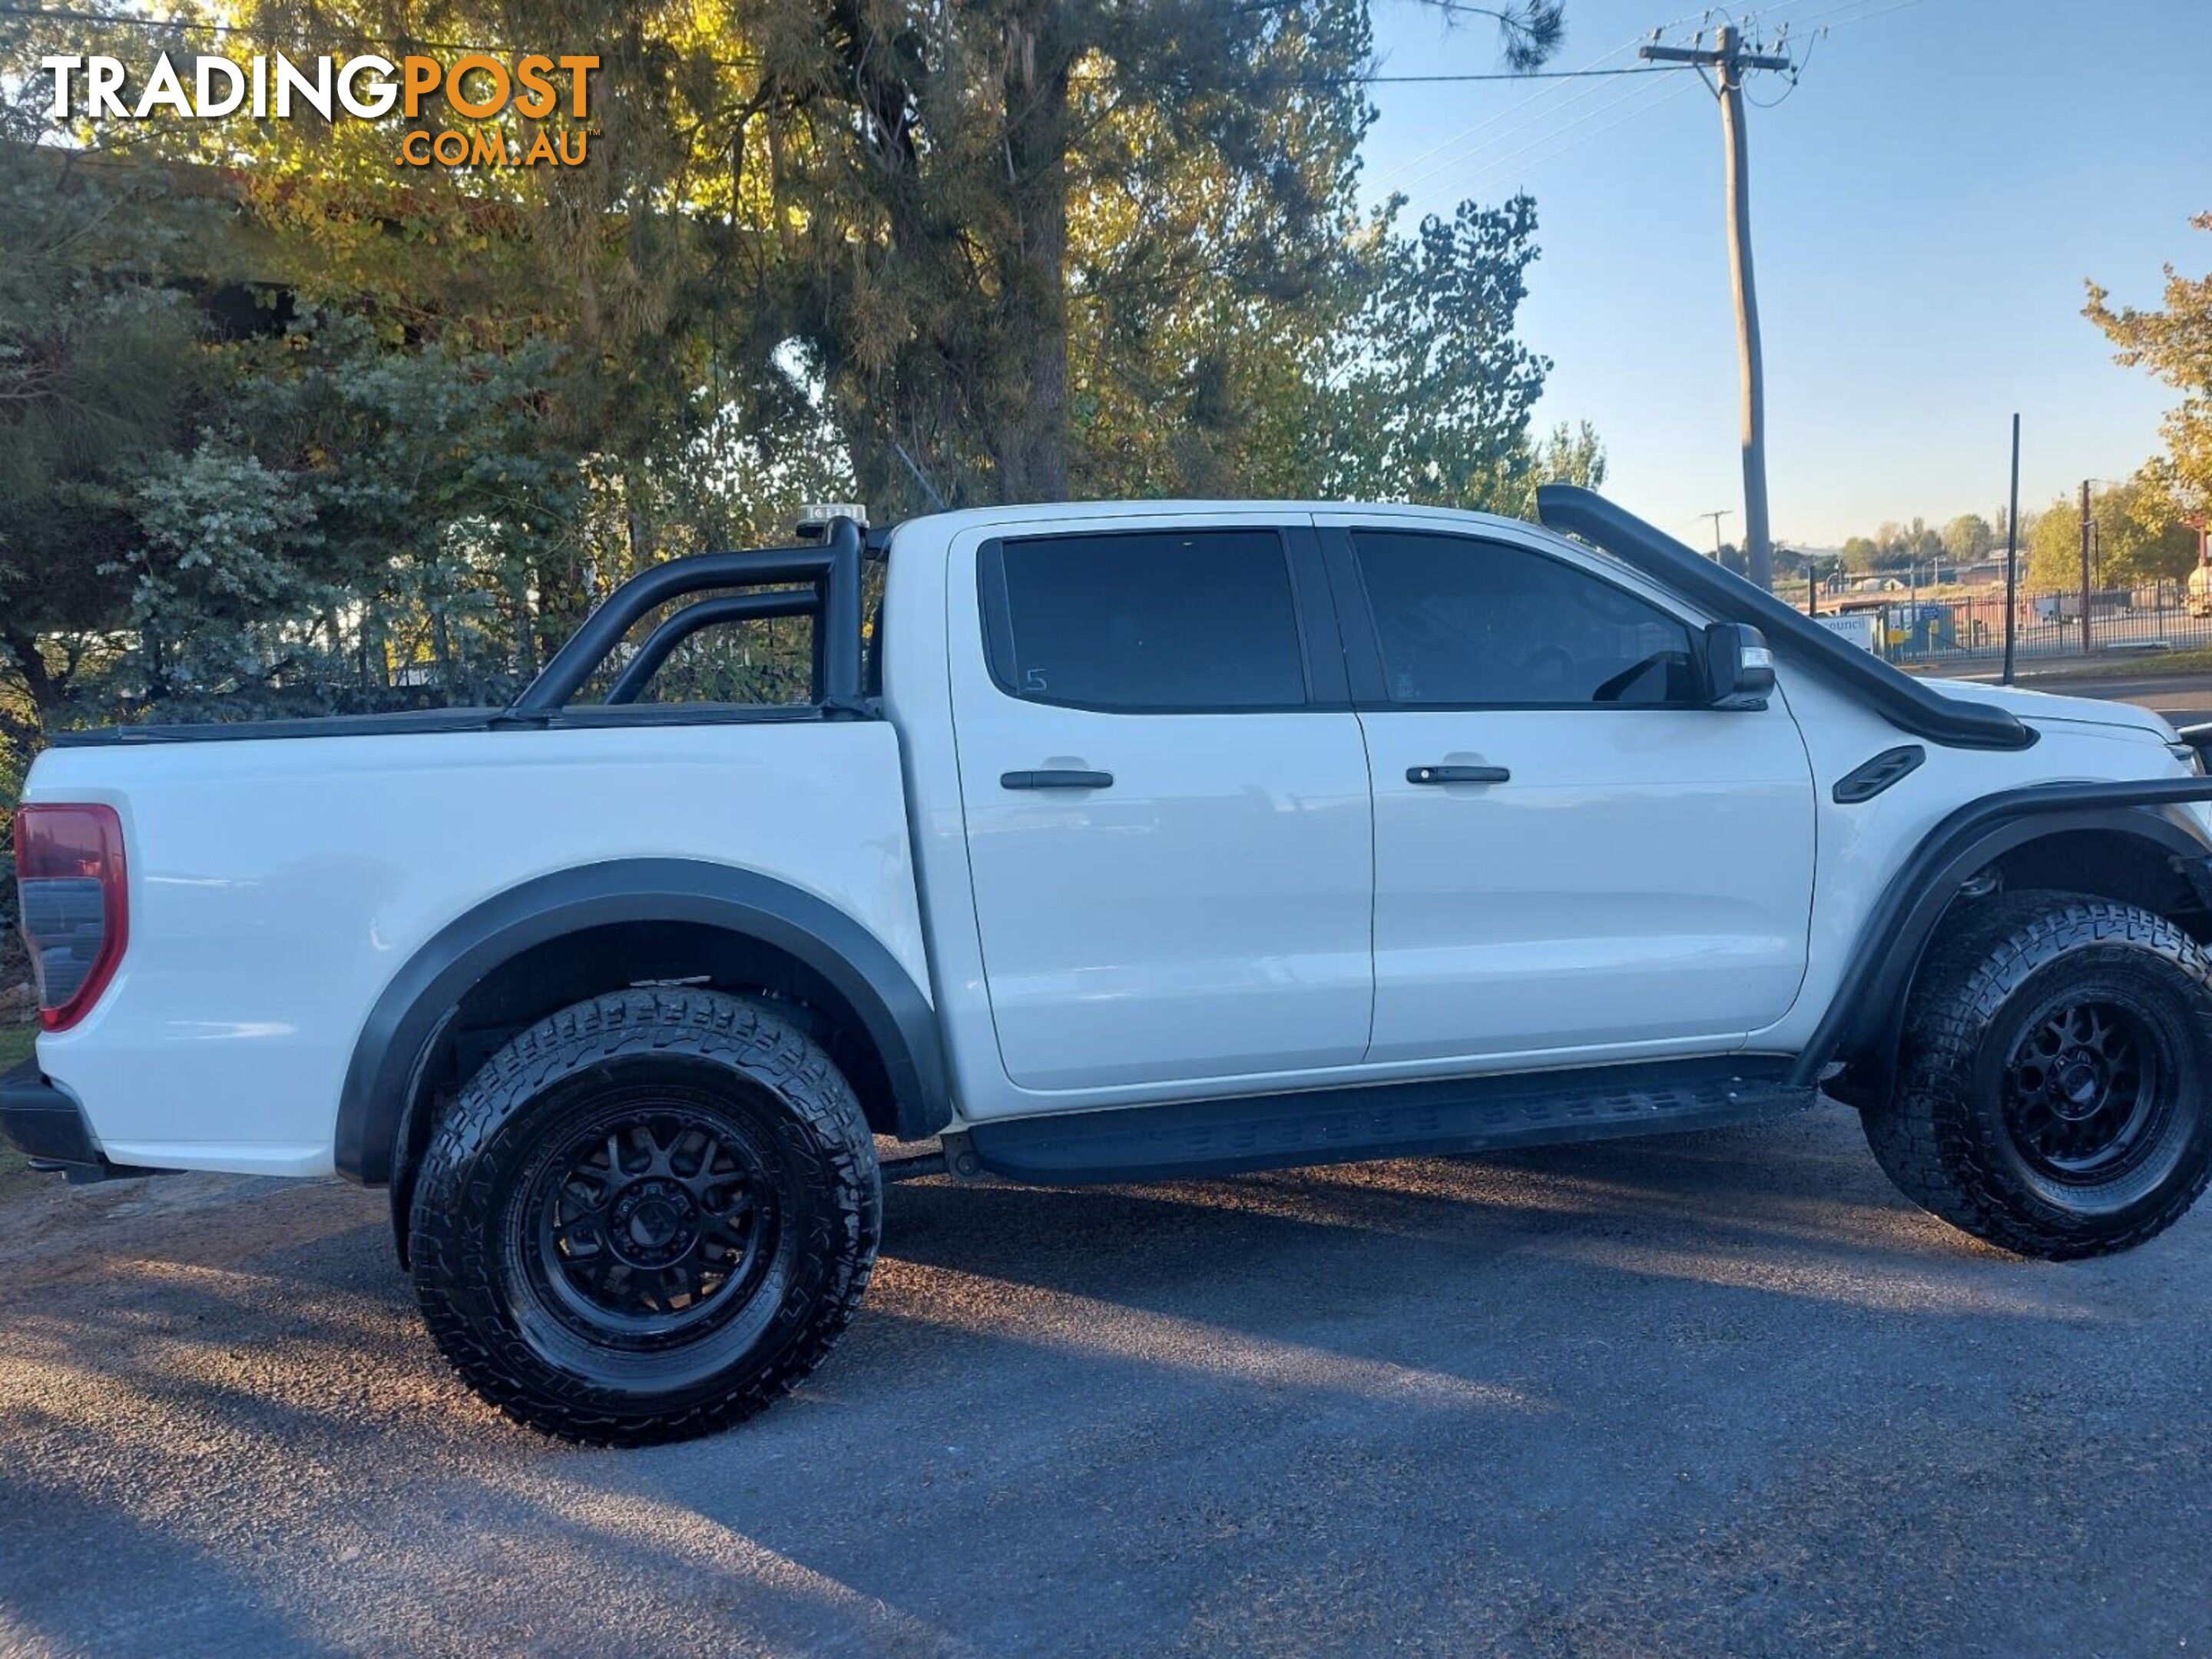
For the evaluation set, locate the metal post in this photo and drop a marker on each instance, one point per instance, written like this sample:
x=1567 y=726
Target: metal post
x=2012 y=553
x=2085 y=566
x=840 y=621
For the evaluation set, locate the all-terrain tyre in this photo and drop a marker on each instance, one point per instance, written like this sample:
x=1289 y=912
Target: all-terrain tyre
x=645 y=1217
x=2051 y=1096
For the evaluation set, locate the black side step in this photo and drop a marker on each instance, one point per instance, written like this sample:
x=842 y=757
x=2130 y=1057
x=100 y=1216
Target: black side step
x=1402 y=1119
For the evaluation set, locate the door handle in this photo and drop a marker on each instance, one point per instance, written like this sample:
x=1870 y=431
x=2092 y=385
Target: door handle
x=1050 y=780
x=1457 y=775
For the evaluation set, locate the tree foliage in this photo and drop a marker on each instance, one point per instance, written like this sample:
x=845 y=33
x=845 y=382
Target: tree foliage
x=1894 y=546
x=2175 y=343
x=1970 y=536
x=284 y=427
x=102 y=373
x=2134 y=539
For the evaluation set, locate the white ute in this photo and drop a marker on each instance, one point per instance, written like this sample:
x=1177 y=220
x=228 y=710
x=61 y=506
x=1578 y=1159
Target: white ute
x=1122 y=842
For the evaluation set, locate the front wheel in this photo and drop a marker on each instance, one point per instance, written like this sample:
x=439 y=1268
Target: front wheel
x=647 y=1217
x=2052 y=1098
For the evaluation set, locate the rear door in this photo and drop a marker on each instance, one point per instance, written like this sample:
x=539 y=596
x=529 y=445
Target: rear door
x=1166 y=801
x=1576 y=857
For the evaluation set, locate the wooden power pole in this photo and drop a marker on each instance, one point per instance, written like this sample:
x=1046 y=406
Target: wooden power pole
x=1716 y=517
x=1728 y=59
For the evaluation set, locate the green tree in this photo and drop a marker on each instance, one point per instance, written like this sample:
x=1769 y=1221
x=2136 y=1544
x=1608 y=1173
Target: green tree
x=1968 y=536
x=2174 y=343
x=102 y=373
x=1923 y=544
x=358 y=513
x=1423 y=392
x=2135 y=539
x=946 y=202
x=1571 y=454
x=1023 y=246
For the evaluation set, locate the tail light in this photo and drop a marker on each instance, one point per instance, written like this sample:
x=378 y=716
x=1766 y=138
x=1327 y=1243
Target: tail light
x=74 y=905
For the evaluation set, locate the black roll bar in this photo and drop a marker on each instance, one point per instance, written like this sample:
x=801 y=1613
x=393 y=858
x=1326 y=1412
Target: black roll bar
x=708 y=613
x=833 y=567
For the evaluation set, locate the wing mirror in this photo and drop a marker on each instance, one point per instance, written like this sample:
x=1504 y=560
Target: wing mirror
x=1739 y=665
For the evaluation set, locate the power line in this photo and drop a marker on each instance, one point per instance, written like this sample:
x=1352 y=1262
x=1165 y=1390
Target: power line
x=1548 y=156
x=1452 y=141
x=1500 y=74
x=1458 y=139
x=1545 y=149
x=1869 y=16
x=1413 y=171
x=1829 y=16
x=1620 y=96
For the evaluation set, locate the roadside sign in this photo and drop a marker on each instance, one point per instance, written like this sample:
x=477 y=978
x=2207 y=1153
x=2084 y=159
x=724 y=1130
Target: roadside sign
x=1862 y=628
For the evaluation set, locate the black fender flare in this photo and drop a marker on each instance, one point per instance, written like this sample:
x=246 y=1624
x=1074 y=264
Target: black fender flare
x=1866 y=1014
x=411 y=1013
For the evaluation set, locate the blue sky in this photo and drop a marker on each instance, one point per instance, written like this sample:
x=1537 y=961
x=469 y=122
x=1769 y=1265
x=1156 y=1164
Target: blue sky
x=1925 y=206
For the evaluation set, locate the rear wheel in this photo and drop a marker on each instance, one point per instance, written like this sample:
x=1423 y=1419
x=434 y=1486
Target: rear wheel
x=2052 y=1095
x=647 y=1217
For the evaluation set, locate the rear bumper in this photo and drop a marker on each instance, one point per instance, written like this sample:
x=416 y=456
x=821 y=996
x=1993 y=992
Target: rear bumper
x=45 y=1123
x=41 y=1121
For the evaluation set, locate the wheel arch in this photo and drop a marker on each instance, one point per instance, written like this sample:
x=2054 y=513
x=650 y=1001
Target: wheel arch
x=538 y=946
x=2123 y=842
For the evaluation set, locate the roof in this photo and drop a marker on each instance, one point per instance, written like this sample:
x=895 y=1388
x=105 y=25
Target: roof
x=1061 y=512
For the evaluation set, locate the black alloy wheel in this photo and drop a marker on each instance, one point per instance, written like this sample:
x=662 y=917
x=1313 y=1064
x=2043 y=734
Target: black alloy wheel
x=647 y=1217
x=2085 y=1089
x=2054 y=1073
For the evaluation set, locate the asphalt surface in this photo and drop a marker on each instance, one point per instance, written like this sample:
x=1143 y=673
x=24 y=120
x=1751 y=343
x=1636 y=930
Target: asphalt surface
x=1705 y=1395
x=1721 y=1394
x=2185 y=699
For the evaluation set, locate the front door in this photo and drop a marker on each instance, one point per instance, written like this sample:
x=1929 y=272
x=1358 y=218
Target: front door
x=1166 y=803
x=1576 y=859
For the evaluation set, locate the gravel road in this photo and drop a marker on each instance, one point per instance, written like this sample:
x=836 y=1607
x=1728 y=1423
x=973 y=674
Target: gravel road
x=1716 y=1393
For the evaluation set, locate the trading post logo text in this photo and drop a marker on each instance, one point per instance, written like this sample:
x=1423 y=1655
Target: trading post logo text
x=477 y=87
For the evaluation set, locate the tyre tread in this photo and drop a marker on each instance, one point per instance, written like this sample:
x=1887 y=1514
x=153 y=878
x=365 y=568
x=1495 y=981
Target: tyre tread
x=451 y=1197
x=1928 y=1138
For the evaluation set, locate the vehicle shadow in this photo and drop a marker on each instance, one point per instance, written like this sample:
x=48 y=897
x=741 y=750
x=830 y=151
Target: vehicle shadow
x=1443 y=1402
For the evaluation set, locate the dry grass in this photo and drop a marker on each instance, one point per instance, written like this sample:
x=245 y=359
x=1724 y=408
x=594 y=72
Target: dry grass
x=2125 y=666
x=14 y=1047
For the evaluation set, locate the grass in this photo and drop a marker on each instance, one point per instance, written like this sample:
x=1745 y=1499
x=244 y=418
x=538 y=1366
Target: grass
x=14 y=1048
x=2118 y=665
x=2132 y=665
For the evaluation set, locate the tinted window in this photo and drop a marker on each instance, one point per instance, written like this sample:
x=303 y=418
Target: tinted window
x=1469 y=621
x=1193 y=619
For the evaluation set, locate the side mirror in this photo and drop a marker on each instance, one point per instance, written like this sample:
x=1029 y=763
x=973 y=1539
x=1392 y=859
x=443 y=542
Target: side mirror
x=1739 y=665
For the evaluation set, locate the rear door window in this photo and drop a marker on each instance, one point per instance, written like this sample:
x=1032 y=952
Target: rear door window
x=1145 y=621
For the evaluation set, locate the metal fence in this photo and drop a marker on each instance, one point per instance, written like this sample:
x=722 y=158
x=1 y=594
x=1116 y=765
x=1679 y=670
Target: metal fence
x=1924 y=627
